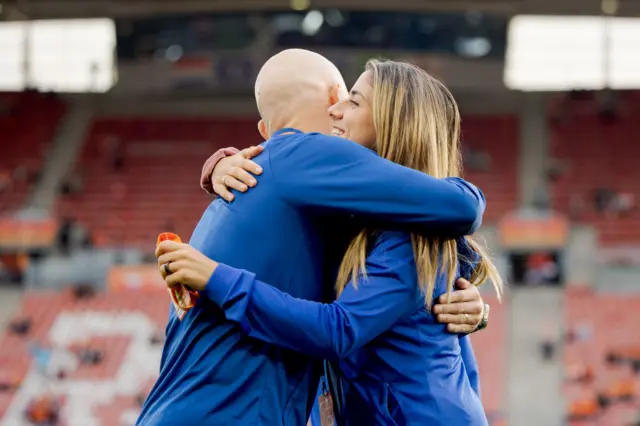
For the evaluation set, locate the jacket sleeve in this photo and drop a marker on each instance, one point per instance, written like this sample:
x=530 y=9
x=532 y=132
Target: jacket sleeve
x=387 y=294
x=337 y=175
x=210 y=164
x=470 y=363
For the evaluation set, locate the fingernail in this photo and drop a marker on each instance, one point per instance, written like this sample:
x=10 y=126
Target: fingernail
x=253 y=182
x=258 y=170
x=243 y=188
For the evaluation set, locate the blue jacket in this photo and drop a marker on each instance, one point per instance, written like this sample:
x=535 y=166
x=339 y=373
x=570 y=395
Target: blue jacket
x=315 y=192
x=399 y=365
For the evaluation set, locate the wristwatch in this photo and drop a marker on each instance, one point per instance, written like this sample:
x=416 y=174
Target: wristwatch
x=485 y=318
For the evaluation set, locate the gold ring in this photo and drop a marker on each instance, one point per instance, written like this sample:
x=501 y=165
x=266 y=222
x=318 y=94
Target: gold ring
x=466 y=317
x=224 y=180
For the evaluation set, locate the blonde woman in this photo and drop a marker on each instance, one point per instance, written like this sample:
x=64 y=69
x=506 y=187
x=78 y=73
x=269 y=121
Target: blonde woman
x=398 y=365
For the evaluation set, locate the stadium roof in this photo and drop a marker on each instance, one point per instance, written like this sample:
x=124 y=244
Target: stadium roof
x=42 y=9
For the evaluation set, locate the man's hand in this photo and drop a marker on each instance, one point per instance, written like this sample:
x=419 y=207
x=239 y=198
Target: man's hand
x=234 y=172
x=182 y=264
x=463 y=312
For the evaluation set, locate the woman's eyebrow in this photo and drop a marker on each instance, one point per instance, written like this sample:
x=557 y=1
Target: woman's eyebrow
x=357 y=93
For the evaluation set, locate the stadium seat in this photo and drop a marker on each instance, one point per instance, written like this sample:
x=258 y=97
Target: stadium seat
x=157 y=188
x=605 y=347
x=498 y=138
x=121 y=327
x=28 y=123
x=157 y=185
x=598 y=154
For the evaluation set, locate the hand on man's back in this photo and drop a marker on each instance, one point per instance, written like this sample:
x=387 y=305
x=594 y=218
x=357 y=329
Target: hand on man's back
x=463 y=312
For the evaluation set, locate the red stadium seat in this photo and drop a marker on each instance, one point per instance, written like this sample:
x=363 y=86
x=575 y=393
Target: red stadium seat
x=158 y=185
x=598 y=154
x=27 y=126
x=498 y=138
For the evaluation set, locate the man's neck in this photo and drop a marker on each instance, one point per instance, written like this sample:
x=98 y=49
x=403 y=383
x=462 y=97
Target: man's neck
x=302 y=128
x=308 y=123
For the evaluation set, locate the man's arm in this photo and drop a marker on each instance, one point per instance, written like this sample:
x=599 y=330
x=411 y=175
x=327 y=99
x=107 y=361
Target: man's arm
x=337 y=175
x=387 y=294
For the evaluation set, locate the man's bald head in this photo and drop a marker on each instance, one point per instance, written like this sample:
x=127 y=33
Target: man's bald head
x=295 y=88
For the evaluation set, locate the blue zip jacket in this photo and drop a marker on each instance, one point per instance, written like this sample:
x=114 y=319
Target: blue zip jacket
x=399 y=365
x=314 y=194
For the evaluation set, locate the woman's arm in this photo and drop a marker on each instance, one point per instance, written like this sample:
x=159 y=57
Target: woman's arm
x=333 y=175
x=388 y=293
x=206 y=176
x=470 y=363
x=329 y=173
x=230 y=168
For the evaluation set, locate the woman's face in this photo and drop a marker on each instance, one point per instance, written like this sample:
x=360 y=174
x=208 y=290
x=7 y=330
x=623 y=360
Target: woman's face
x=353 y=117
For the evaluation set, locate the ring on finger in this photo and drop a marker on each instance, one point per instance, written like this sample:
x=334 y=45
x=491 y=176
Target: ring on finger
x=166 y=268
x=224 y=180
x=466 y=317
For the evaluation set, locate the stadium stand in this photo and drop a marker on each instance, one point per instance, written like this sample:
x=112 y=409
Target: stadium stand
x=112 y=346
x=125 y=167
x=602 y=363
x=125 y=332
x=86 y=357
x=125 y=164
x=491 y=150
x=599 y=183
x=28 y=122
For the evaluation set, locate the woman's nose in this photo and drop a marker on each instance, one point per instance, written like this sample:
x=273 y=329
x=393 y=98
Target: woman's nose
x=335 y=112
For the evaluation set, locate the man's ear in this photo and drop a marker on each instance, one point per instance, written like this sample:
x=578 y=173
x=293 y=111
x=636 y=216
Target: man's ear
x=334 y=95
x=263 y=129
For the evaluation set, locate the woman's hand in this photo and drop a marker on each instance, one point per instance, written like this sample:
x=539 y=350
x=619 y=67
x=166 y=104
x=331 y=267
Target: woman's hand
x=235 y=172
x=464 y=311
x=184 y=265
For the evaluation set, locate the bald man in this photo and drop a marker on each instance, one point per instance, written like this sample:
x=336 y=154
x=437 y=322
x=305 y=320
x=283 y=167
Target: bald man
x=315 y=193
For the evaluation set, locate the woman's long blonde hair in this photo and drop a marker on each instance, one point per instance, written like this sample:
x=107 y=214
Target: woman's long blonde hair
x=417 y=124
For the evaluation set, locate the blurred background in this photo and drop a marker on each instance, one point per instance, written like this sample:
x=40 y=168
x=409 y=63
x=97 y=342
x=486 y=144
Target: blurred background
x=109 y=108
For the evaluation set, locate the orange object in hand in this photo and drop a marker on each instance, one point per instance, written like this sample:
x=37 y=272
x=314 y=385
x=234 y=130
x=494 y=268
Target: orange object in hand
x=183 y=297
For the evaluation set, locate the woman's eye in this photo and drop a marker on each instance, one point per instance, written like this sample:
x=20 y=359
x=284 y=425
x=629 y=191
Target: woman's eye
x=353 y=102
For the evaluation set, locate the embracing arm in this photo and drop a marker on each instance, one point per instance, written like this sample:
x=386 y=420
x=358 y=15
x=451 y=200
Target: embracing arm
x=337 y=175
x=206 y=181
x=332 y=331
x=470 y=363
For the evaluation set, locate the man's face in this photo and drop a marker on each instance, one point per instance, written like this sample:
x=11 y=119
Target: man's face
x=352 y=116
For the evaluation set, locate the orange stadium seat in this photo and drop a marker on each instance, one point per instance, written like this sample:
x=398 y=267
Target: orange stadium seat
x=611 y=331
x=584 y=408
x=47 y=310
